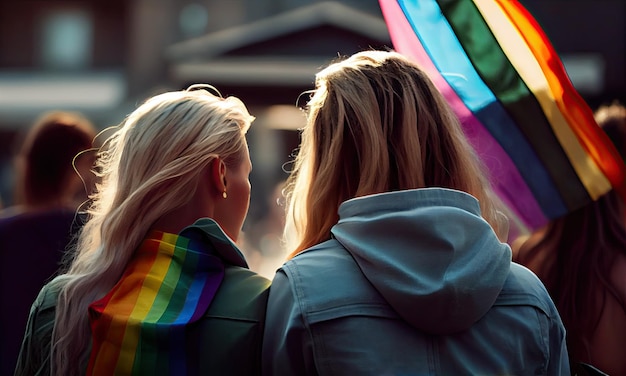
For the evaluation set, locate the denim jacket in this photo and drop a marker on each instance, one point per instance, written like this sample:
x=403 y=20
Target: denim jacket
x=411 y=283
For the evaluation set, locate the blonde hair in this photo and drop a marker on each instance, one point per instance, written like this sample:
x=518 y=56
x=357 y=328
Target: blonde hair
x=376 y=123
x=149 y=166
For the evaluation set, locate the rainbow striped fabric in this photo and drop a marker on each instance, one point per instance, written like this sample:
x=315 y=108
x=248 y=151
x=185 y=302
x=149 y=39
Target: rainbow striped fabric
x=139 y=327
x=502 y=77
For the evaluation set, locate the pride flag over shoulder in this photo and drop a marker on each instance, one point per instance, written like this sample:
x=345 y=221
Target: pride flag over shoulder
x=499 y=72
x=142 y=325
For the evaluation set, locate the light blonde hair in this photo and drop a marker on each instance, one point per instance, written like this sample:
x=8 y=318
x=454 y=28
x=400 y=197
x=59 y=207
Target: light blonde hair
x=376 y=123
x=149 y=167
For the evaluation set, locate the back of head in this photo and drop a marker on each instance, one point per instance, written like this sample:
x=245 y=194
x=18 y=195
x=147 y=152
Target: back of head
x=159 y=150
x=612 y=119
x=45 y=160
x=376 y=123
x=150 y=166
x=574 y=254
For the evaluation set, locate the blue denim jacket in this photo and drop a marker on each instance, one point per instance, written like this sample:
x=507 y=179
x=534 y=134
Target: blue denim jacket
x=412 y=283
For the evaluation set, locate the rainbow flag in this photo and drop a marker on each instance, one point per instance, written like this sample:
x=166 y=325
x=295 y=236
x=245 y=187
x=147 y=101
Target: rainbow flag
x=498 y=71
x=139 y=327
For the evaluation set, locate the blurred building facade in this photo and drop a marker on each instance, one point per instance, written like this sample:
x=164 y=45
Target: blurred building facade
x=103 y=57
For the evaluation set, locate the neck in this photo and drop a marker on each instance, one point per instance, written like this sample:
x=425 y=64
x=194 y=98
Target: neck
x=179 y=218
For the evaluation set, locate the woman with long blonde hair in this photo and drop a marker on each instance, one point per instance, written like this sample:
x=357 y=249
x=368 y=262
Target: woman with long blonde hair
x=157 y=285
x=398 y=265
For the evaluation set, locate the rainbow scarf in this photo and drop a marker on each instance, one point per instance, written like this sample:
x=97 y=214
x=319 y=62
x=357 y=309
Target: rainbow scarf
x=497 y=69
x=140 y=326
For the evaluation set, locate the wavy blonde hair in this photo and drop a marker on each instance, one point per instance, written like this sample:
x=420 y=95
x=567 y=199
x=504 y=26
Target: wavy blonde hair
x=149 y=166
x=376 y=123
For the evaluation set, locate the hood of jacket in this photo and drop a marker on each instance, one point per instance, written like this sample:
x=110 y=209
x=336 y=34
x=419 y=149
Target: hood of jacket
x=429 y=253
x=208 y=231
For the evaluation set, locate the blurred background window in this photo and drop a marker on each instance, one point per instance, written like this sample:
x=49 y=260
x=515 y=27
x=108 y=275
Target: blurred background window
x=193 y=20
x=67 y=38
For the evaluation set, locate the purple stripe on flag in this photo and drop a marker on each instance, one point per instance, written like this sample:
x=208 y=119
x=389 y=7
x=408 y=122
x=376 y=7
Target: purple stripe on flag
x=506 y=179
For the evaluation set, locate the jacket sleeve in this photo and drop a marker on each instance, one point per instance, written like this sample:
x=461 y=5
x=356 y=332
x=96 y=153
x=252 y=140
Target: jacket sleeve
x=558 y=363
x=34 y=356
x=287 y=344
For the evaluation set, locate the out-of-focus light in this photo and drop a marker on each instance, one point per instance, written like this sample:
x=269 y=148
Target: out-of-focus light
x=284 y=117
x=193 y=19
x=586 y=71
x=28 y=91
x=67 y=38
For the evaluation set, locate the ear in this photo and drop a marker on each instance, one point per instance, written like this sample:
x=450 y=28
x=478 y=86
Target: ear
x=217 y=173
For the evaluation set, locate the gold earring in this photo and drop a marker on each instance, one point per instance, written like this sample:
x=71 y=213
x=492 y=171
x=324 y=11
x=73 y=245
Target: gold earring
x=224 y=194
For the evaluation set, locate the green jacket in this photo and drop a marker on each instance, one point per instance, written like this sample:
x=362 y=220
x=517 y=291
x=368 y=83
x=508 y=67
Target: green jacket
x=229 y=334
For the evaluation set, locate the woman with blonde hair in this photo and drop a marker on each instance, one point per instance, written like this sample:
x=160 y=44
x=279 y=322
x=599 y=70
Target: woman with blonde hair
x=397 y=264
x=157 y=285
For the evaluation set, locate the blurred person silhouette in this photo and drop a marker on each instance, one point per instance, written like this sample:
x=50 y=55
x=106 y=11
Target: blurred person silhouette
x=52 y=165
x=581 y=258
x=612 y=119
x=398 y=265
x=36 y=229
x=157 y=285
